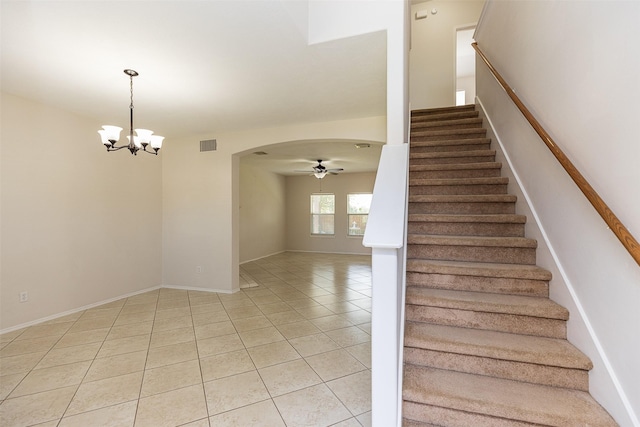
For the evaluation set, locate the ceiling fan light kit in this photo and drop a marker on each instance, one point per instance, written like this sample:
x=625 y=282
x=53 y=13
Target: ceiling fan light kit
x=320 y=171
x=142 y=139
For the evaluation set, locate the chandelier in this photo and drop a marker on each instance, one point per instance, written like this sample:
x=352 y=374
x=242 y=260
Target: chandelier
x=138 y=142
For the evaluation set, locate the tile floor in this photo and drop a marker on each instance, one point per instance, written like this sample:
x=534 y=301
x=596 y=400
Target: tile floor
x=292 y=348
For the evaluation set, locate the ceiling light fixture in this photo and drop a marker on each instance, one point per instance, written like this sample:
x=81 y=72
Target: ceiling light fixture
x=143 y=138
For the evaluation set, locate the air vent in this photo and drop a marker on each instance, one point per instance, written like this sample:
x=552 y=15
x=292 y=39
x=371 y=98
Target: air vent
x=208 y=145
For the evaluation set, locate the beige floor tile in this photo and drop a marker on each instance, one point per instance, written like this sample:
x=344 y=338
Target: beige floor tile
x=20 y=363
x=113 y=366
x=50 y=330
x=71 y=339
x=36 y=408
x=275 y=307
x=209 y=317
x=34 y=345
x=314 y=406
x=173 y=336
x=173 y=312
x=234 y=392
x=66 y=355
x=342 y=307
x=226 y=364
x=351 y=422
x=160 y=325
x=218 y=345
x=211 y=330
x=132 y=330
x=314 y=312
x=261 y=414
x=357 y=317
x=138 y=308
x=9 y=382
x=124 y=345
x=171 y=377
x=198 y=423
x=45 y=379
x=92 y=324
x=138 y=317
x=289 y=376
x=303 y=303
x=173 y=303
x=230 y=304
x=354 y=391
x=214 y=307
x=329 y=323
x=171 y=354
x=261 y=336
x=366 y=327
x=271 y=354
x=267 y=298
x=120 y=415
x=243 y=312
x=346 y=337
x=250 y=323
x=107 y=392
x=362 y=352
x=172 y=408
x=313 y=344
x=285 y=317
x=334 y=364
x=99 y=313
x=298 y=329
x=365 y=419
x=363 y=303
x=10 y=336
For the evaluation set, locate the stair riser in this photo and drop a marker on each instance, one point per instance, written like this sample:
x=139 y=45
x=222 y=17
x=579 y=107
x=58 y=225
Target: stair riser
x=506 y=255
x=431 y=112
x=461 y=173
x=462 y=208
x=498 y=285
x=434 y=190
x=452 y=160
x=450 y=417
x=447 y=148
x=493 y=367
x=517 y=324
x=466 y=228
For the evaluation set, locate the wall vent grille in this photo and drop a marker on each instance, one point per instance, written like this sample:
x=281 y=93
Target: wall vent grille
x=208 y=145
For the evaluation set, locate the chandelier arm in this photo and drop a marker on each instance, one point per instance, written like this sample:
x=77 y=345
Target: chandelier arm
x=114 y=148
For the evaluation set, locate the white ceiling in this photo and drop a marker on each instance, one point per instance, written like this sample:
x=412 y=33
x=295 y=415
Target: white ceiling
x=205 y=66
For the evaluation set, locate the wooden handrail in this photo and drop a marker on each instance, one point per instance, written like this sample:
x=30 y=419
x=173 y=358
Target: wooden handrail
x=621 y=232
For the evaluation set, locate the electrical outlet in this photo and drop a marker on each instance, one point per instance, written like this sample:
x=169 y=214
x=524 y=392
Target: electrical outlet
x=198 y=269
x=24 y=296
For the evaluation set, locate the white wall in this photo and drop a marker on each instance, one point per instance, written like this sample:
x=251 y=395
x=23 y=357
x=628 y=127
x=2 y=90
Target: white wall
x=79 y=225
x=432 y=75
x=201 y=198
x=570 y=64
x=262 y=209
x=300 y=188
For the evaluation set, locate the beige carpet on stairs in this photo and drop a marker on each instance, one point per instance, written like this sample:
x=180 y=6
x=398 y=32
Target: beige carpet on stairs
x=484 y=344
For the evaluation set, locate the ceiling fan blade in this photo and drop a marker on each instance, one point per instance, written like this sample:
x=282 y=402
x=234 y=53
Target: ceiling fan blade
x=335 y=170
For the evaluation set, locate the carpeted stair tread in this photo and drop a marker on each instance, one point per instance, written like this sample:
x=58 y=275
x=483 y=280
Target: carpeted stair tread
x=496 y=345
x=441 y=110
x=511 y=271
x=486 y=302
x=450 y=142
x=497 y=180
x=463 y=198
x=443 y=134
x=461 y=123
x=503 y=399
x=450 y=154
x=454 y=166
x=416 y=118
x=484 y=241
x=495 y=218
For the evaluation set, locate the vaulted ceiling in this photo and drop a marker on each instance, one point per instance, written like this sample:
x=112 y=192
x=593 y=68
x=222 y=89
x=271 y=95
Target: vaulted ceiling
x=205 y=66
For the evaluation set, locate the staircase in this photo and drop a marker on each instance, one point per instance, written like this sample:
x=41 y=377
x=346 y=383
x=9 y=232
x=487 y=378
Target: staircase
x=484 y=345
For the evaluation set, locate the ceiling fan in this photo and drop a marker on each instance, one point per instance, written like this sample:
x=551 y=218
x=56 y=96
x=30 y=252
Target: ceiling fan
x=320 y=171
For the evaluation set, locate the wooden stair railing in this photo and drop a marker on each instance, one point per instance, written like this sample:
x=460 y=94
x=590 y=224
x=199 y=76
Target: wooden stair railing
x=621 y=232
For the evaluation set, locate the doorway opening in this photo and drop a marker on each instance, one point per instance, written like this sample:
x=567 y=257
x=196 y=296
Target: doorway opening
x=465 y=66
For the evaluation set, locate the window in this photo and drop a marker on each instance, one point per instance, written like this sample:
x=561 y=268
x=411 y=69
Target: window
x=358 y=212
x=323 y=208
